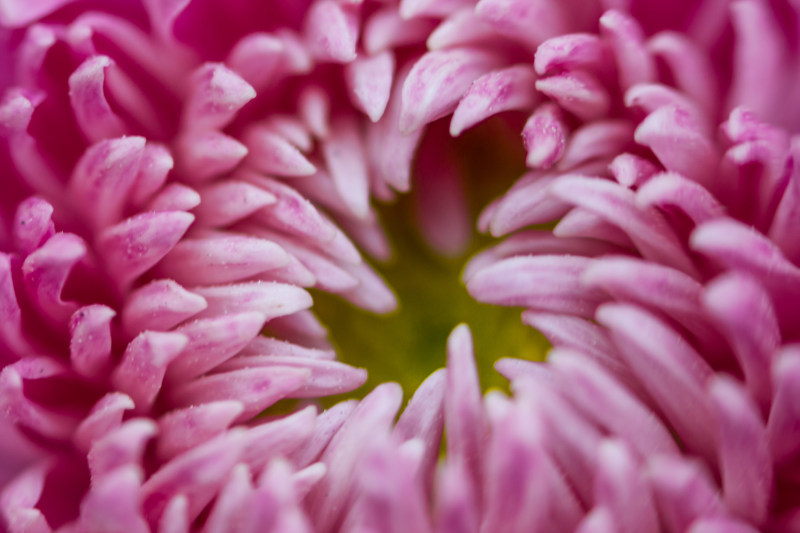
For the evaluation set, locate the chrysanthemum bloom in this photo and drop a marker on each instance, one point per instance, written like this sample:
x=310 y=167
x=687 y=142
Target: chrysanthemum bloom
x=134 y=292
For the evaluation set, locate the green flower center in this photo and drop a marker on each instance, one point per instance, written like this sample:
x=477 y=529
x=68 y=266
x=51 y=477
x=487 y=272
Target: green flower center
x=409 y=344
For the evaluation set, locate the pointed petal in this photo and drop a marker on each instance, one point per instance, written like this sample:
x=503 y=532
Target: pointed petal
x=216 y=94
x=183 y=429
x=86 y=93
x=370 y=82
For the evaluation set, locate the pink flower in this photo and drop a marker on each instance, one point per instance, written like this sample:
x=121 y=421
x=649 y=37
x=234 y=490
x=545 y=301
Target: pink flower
x=175 y=174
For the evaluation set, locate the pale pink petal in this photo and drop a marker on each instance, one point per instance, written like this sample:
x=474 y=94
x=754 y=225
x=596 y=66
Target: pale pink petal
x=575 y=51
x=631 y=170
x=112 y=504
x=626 y=38
x=268 y=299
x=577 y=92
x=33 y=224
x=277 y=438
x=386 y=29
x=19 y=498
x=46 y=270
x=255 y=388
x=456 y=505
x=668 y=190
x=744 y=459
x=370 y=82
x=327 y=425
x=529 y=22
x=133 y=246
x=463 y=27
x=437 y=82
x=582 y=224
x=720 y=525
x=160 y=305
x=20 y=13
x=783 y=430
x=183 y=429
x=156 y=163
x=203 y=155
x=90 y=340
x=597 y=140
x=314 y=107
x=176 y=516
x=670 y=370
x=271 y=153
x=144 y=363
x=430 y=8
x=344 y=156
x=216 y=94
x=232 y=511
x=500 y=90
x=332 y=31
x=223 y=258
x=121 y=447
x=213 y=341
x=526 y=204
x=545 y=136
x=260 y=58
x=598 y=520
x=86 y=91
x=105 y=416
x=174 y=197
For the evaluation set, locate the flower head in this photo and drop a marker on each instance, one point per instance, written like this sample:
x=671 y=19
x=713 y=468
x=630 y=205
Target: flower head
x=176 y=174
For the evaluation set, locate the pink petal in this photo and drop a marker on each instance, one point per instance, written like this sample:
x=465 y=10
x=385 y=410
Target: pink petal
x=577 y=92
x=213 y=341
x=17 y=13
x=232 y=507
x=222 y=258
x=255 y=388
x=90 y=340
x=744 y=459
x=160 y=305
x=260 y=58
x=575 y=51
x=144 y=363
x=463 y=27
x=499 y=90
x=12 y=336
x=551 y=283
x=544 y=136
x=456 y=506
x=621 y=488
x=112 y=504
x=582 y=224
x=104 y=176
x=720 y=525
x=669 y=190
x=197 y=474
x=86 y=92
x=429 y=8
x=598 y=520
x=386 y=30
x=278 y=438
x=783 y=430
x=105 y=416
x=162 y=15
x=183 y=429
x=626 y=38
x=526 y=204
x=670 y=370
x=273 y=154
x=121 y=447
x=135 y=245
x=216 y=95
x=332 y=31
x=437 y=82
x=528 y=22
x=19 y=498
x=156 y=163
x=33 y=224
x=631 y=170
x=599 y=139
x=344 y=156
x=269 y=299
x=203 y=155
x=326 y=378
x=605 y=401
x=327 y=425
x=678 y=142
x=369 y=80
x=45 y=272
x=176 y=516
x=174 y=197
x=646 y=227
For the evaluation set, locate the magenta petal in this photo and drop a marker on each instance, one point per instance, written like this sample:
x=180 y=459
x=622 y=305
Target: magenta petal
x=551 y=283
x=45 y=272
x=105 y=416
x=545 y=136
x=19 y=497
x=183 y=429
x=578 y=92
x=89 y=103
x=744 y=313
x=160 y=305
x=90 y=340
x=370 y=82
x=221 y=259
x=670 y=370
x=575 y=51
x=683 y=491
x=229 y=201
x=121 y=447
x=603 y=399
x=621 y=488
x=437 y=82
x=626 y=38
x=141 y=372
x=33 y=224
x=744 y=459
x=255 y=388
x=156 y=163
x=273 y=154
x=198 y=474
x=671 y=190
x=332 y=31
x=12 y=336
x=216 y=95
x=203 y=155
x=678 y=142
x=783 y=430
x=20 y=14
x=133 y=246
x=530 y=22
x=103 y=177
x=112 y=504
x=499 y=90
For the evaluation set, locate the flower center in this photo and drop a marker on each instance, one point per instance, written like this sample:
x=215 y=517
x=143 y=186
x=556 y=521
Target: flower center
x=407 y=345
